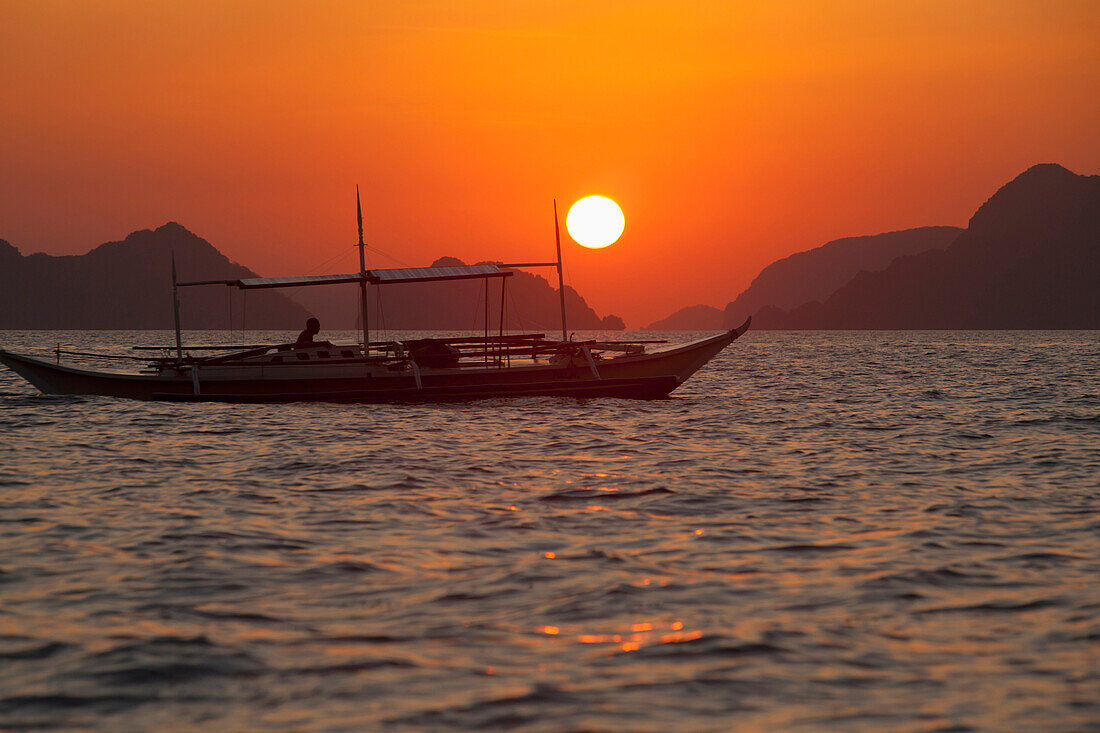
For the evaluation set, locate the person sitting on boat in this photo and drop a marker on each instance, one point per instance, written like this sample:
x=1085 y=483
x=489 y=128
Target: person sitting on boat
x=305 y=338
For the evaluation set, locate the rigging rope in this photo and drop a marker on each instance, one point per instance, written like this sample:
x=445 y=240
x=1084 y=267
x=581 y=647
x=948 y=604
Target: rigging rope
x=381 y=312
x=386 y=254
x=330 y=260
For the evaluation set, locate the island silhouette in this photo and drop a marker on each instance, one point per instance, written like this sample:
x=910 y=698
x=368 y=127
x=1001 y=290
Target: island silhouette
x=1029 y=259
x=127 y=285
x=812 y=275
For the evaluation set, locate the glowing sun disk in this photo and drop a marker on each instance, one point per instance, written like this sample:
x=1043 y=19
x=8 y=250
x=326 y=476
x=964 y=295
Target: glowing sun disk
x=595 y=221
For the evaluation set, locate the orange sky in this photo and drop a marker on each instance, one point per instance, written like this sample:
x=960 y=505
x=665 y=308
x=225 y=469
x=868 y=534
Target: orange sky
x=730 y=132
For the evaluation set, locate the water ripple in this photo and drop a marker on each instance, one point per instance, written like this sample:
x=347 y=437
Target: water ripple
x=819 y=531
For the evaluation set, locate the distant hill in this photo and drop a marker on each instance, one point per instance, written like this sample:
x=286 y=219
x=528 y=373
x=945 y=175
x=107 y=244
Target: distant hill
x=1029 y=259
x=128 y=285
x=818 y=273
x=531 y=304
x=814 y=274
x=692 y=318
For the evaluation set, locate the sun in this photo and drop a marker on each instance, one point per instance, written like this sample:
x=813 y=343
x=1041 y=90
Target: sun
x=595 y=221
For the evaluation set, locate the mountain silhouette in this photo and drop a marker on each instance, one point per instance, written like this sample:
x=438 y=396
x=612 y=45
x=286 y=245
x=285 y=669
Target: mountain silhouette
x=692 y=318
x=1029 y=259
x=818 y=273
x=814 y=274
x=531 y=304
x=128 y=285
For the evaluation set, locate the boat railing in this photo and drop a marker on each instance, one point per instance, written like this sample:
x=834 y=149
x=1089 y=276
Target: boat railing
x=81 y=356
x=468 y=351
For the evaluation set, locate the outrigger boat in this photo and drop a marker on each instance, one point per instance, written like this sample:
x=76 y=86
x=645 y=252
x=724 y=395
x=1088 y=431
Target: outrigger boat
x=492 y=365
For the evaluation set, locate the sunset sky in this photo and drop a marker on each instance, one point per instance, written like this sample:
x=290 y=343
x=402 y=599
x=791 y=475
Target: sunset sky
x=731 y=133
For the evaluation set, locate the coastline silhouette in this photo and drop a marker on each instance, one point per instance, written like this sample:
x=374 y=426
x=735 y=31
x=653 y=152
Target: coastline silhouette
x=1028 y=259
x=121 y=285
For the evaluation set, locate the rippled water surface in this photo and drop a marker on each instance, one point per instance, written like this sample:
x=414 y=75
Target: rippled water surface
x=835 y=531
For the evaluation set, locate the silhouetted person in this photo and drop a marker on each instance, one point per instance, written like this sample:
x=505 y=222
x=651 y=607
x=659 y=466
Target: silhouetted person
x=305 y=338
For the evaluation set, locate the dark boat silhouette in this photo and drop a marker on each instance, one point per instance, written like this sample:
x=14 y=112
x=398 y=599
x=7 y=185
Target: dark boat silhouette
x=512 y=366
x=500 y=365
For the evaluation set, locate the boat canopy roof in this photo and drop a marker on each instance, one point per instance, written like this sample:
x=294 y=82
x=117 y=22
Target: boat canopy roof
x=375 y=277
x=428 y=274
x=292 y=282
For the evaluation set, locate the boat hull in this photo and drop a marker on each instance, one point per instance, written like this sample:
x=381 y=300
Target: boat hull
x=639 y=376
x=640 y=388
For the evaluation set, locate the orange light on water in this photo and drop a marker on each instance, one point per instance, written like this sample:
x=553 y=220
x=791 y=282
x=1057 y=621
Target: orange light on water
x=549 y=555
x=644 y=633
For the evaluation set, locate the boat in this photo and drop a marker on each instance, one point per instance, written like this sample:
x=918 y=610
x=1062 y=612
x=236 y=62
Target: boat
x=436 y=369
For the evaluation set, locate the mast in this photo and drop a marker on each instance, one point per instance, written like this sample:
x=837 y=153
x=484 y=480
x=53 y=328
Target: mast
x=561 y=282
x=176 y=307
x=363 y=275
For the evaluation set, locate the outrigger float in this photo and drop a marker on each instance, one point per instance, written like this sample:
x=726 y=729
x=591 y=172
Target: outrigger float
x=488 y=366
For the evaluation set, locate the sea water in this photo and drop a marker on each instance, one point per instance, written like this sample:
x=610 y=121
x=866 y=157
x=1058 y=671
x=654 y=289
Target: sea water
x=842 y=531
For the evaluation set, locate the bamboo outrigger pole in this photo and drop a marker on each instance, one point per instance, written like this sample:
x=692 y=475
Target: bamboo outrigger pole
x=363 y=275
x=561 y=281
